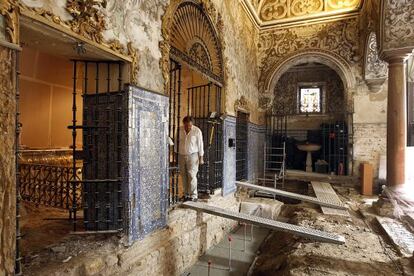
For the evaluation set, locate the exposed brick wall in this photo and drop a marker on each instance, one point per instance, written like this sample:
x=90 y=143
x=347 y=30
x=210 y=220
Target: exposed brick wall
x=7 y=163
x=370 y=142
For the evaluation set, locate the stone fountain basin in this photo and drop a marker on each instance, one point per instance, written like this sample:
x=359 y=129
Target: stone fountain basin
x=309 y=147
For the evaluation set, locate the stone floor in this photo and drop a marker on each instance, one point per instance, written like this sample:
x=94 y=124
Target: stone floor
x=244 y=246
x=367 y=250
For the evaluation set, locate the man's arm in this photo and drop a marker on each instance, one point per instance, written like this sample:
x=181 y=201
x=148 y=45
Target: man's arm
x=200 y=147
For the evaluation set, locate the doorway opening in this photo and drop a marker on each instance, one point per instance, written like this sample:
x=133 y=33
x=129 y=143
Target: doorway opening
x=309 y=114
x=195 y=89
x=68 y=179
x=242 y=145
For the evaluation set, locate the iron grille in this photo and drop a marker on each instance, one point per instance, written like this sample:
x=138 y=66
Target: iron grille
x=104 y=133
x=242 y=128
x=173 y=126
x=204 y=104
x=48 y=185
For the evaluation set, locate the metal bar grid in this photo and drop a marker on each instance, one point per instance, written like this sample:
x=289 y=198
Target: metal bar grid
x=242 y=129
x=103 y=131
x=202 y=102
x=335 y=147
x=305 y=232
x=173 y=130
x=48 y=185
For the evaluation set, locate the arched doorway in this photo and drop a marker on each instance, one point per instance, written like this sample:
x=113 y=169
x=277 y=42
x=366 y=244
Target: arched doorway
x=195 y=88
x=312 y=103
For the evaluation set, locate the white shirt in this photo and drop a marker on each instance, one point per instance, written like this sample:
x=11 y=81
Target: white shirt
x=191 y=142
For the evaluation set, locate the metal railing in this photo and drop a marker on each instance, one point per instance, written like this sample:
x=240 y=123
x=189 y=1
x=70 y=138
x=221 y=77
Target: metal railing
x=48 y=185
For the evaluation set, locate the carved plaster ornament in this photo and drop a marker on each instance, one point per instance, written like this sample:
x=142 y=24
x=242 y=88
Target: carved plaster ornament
x=241 y=104
x=376 y=70
x=10 y=11
x=398 y=24
x=272 y=10
x=87 y=20
x=340 y=38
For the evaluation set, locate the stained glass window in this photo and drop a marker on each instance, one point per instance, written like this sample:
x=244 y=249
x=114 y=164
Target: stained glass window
x=310 y=100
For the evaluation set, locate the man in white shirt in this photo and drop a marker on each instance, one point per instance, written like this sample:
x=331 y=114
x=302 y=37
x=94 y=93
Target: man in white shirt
x=190 y=156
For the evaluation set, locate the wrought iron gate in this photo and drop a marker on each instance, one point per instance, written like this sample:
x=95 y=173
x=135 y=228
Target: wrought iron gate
x=103 y=134
x=173 y=126
x=242 y=145
x=276 y=130
x=204 y=105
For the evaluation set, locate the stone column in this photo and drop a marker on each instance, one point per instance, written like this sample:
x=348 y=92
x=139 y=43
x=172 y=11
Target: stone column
x=396 y=120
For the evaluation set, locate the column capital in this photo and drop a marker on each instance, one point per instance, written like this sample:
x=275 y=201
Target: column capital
x=396 y=55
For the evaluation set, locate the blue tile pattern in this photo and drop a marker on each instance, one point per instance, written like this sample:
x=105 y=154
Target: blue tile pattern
x=147 y=162
x=256 y=140
x=229 y=158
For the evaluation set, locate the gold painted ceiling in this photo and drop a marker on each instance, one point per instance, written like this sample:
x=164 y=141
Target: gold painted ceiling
x=268 y=13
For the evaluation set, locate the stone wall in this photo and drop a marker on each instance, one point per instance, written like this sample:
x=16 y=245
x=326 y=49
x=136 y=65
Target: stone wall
x=370 y=142
x=165 y=252
x=7 y=163
x=240 y=57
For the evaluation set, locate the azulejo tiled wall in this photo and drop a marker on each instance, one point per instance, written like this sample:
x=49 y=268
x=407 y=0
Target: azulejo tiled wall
x=256 y=140
x=147 y=162
x=229 y=158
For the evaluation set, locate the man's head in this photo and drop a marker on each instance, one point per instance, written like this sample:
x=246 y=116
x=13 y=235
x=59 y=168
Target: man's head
x=188 y=123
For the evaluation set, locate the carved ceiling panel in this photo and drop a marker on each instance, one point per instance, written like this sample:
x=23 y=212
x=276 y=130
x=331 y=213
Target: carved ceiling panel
x=274 y=12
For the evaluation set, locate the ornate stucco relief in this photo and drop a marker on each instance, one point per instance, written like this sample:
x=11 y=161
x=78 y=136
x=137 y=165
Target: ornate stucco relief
x=375 y=70
x=124 y=27
x=339 y=38
x=9 y=10
x=138 y=23
x=275 y=12
x=397 y=24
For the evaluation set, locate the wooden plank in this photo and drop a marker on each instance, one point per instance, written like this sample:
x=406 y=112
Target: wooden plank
x=311 y=176
x=325 y=192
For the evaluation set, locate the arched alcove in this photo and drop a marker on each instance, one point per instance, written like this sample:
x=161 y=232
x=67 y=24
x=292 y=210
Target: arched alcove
x=330 y=125
x=329 y=59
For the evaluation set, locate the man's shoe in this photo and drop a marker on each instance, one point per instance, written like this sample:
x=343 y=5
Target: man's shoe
x=194 y=199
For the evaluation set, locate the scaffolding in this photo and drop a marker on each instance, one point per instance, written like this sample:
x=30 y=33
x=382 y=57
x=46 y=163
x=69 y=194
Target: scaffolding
x=274 y=168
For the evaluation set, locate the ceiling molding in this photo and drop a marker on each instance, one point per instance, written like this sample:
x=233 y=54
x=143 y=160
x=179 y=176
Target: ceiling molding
x=295 y=21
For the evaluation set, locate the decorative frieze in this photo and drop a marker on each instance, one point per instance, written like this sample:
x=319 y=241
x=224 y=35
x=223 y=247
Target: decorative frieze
x=273 y=12
x=397 y=24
